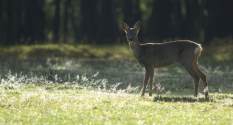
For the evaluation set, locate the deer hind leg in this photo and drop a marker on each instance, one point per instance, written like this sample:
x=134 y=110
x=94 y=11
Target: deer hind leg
x=189 y=66
x=195 y=77
x=145 y=82
x=199 y=72
x=203 y=78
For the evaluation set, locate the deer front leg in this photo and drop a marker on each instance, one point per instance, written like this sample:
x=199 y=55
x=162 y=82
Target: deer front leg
x=151 y=76
x=146 y=78
x=196 y=83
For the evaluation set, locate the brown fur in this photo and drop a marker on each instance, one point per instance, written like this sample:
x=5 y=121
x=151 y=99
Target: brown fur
x=154 y=55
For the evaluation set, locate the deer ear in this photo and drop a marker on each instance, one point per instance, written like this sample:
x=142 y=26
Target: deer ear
x=137 y=25
x=125 y=27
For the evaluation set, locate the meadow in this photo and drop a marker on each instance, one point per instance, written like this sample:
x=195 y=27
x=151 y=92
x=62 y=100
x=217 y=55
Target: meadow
x=89 y=84
x=70 y=104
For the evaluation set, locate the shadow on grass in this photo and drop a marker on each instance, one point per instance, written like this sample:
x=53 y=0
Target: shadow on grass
x=181 y=99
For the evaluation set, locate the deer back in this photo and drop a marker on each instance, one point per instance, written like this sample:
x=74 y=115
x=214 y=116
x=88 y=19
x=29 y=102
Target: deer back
x=161 y=54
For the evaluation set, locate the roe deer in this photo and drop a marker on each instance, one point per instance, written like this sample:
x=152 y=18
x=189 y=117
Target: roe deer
x=154 y=55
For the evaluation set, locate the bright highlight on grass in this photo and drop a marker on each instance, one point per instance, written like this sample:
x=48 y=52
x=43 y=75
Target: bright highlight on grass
x=63 y=104
x=63 y=89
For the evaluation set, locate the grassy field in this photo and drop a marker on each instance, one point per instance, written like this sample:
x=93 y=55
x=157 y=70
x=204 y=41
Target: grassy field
x=58 y=104
x=66 y=50
x=89 y=84
x=218 y=52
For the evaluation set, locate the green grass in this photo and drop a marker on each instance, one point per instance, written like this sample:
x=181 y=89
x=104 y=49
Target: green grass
x=219 y=52
x=66 y=50
x=74 y=68
x=69 y=104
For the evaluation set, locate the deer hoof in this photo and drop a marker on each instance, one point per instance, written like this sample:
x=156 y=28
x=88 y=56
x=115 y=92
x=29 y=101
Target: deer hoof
x=206 y=95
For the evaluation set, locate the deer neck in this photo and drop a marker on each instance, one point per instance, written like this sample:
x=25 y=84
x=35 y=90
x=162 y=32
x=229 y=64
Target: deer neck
x=135 y=46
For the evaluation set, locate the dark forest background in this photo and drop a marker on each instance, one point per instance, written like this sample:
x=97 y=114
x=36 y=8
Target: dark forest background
x=98 y=21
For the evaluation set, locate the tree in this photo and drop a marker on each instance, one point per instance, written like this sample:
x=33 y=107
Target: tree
x=88 y=20
x=131 y=11
x=195 y=20
x=107 y=24
x=220 y=18
x=66 y=17
x=11 y=22
x=56 y=20
x=30 y=21
x=160 y=21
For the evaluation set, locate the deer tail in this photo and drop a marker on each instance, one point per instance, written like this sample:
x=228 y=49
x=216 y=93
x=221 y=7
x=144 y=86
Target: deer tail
x=198 y=50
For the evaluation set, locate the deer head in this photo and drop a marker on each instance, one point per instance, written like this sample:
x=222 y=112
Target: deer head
x=131 y=33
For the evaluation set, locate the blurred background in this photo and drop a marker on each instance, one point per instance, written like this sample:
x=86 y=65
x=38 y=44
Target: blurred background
x=97 y=21
x=80 y=41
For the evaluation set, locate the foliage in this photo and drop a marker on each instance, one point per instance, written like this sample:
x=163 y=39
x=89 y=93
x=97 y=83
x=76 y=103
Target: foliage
x=218 y=52
x=99 y=21
x=66 y=50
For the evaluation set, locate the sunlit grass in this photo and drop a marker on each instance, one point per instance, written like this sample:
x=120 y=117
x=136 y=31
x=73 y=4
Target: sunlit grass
x=66 y=50
x=91 y=84
x=219 y=52
x=36 y=104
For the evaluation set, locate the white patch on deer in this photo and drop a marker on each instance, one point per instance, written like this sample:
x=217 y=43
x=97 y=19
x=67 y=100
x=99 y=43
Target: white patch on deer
x=198 y=50
x=206 y=90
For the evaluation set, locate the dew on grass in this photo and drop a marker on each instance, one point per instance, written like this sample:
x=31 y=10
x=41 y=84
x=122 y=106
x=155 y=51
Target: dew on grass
x=108 y=75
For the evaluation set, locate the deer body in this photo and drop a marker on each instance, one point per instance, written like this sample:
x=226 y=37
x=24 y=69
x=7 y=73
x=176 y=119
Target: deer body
x=154 y=55
x=162 y=54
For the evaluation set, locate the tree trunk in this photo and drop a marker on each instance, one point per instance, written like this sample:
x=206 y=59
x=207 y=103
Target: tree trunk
x=107 y=25
x=56 y=21
x=160 y=21
x=219 y=19
x=131 y=11
x=67 y=6
x=88 y=22
x=34 y=21
x=195 y=21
